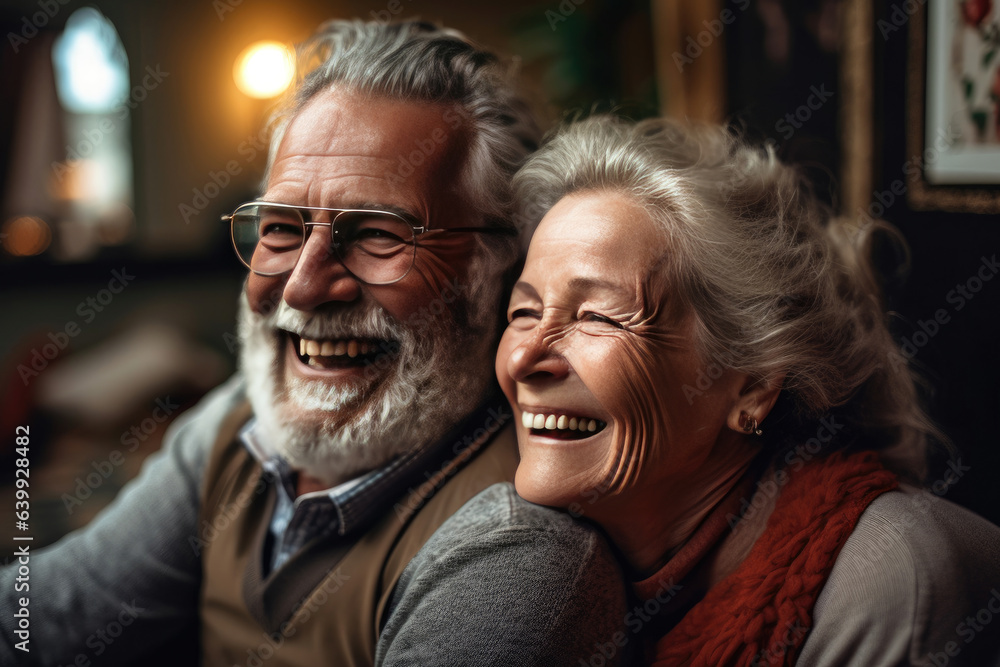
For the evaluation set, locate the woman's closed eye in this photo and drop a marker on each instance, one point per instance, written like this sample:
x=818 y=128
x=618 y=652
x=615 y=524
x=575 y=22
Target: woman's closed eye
x=601 y=319
x=518 y=313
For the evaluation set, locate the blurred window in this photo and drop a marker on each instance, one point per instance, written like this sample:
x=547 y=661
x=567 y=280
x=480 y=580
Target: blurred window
x=69 y=186
x=95 y=178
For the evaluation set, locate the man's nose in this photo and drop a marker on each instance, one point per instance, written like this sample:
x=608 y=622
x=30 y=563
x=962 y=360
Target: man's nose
x=319 y=276
x=534 y=359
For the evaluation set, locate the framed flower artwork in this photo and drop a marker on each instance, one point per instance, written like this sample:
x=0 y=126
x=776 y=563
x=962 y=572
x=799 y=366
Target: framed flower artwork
x=953 y=104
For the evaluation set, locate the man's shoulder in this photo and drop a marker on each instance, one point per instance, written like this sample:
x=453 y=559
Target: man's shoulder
x=189 y=440
x=914 y=568
x=215 y=406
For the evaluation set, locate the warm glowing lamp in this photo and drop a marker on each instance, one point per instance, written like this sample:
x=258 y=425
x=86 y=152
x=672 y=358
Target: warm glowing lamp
x=25 y=235
x=264 y=69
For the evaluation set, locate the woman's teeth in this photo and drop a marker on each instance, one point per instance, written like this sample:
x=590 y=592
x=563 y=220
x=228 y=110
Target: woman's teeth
x=553 y=422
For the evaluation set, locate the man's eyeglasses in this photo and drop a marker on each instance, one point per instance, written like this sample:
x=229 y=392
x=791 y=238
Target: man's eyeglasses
x=377 y=247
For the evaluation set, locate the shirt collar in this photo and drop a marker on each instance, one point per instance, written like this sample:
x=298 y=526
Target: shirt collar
x=361 y=499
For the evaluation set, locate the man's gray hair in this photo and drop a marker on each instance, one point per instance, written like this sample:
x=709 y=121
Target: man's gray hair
x=775 y=283
x=420 y=61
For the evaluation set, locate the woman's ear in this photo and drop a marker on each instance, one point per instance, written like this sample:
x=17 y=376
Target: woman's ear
x=755 y=401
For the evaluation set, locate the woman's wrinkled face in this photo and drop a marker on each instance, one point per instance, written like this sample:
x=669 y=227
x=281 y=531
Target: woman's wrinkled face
x=599 y=362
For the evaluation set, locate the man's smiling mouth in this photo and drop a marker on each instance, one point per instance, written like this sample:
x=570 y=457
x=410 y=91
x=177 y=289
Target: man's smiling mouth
x=341 y=352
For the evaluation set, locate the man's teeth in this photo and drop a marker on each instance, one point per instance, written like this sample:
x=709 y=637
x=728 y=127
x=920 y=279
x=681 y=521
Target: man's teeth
x=560 y=422
x=338 y=348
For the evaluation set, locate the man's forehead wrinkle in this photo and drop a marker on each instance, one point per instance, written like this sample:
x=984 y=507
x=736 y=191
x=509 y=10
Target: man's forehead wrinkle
x=298 y=163
x=331 y=167
x=354 y=140
x=299 y=184
x=322 y=155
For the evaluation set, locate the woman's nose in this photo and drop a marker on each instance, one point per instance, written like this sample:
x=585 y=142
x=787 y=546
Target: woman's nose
x=534 y=359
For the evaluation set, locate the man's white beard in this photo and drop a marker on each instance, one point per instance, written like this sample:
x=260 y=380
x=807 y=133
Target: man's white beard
x=437 y=377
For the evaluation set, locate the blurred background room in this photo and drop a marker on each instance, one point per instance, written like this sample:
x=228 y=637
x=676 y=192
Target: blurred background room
x=128 y=128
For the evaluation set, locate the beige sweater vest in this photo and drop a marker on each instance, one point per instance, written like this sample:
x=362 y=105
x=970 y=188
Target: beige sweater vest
x=338 y=621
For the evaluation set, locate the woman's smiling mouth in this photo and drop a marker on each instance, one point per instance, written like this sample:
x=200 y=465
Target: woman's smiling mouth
x=560 y=425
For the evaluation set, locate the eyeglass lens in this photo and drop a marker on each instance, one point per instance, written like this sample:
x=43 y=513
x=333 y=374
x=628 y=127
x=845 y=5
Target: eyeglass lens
x=378 y=248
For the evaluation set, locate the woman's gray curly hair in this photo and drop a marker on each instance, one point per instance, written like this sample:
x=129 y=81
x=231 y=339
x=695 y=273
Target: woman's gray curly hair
x=776 y=286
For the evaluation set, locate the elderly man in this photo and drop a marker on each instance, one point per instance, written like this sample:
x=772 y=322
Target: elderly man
x=296 y=516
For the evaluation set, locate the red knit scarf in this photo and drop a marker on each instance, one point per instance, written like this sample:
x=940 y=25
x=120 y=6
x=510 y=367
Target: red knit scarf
x=761 y=612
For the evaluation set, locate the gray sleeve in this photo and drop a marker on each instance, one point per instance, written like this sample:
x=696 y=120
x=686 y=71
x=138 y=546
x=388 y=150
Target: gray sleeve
x=506 y=582
x=128 y=582
x=907 y=589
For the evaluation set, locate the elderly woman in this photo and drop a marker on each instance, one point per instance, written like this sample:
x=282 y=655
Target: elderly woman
x=699 y=362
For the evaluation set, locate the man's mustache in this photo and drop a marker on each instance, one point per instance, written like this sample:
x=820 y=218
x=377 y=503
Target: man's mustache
x=360 y=321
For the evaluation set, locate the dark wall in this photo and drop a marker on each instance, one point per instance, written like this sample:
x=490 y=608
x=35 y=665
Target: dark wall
x=962 y=361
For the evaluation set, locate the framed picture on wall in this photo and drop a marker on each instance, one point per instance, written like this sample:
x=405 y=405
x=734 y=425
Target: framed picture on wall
x=953 y=104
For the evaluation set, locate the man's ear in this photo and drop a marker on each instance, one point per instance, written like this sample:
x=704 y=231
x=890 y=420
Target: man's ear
x=755 y=400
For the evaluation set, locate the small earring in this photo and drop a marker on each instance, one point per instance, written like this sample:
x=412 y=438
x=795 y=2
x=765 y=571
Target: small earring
x=749 y=424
